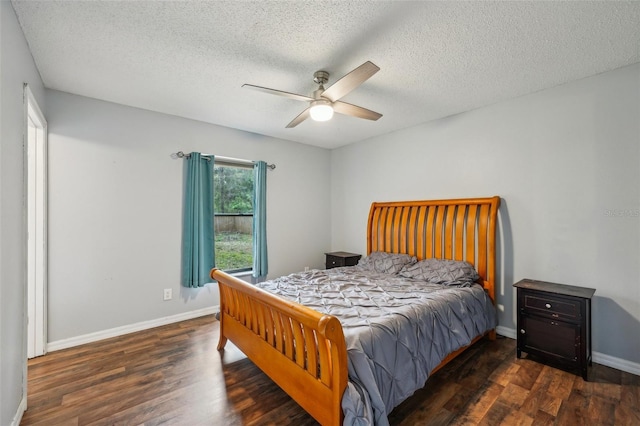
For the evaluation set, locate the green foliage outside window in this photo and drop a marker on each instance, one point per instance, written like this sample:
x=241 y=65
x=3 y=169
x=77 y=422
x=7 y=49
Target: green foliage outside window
x=234 y=251
x=233 y=190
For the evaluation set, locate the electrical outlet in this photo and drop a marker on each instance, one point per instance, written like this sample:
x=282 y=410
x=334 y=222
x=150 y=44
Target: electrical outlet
x=167 y=294
x=306 y=269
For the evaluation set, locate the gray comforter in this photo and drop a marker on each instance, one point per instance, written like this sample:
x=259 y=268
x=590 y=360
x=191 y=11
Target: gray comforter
x=396 y=329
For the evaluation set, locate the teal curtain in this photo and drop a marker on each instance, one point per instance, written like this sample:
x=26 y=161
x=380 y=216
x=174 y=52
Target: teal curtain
x=260 y=264
x=197 y=228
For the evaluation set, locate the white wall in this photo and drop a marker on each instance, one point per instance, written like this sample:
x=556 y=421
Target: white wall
x=563 y=160
x=16 y=68
x=116 y=205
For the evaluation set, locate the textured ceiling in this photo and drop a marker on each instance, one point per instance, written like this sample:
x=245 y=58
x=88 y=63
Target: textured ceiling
x=190 y=58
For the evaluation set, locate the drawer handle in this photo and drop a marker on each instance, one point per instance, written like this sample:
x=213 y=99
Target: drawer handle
x=554 y=323
x=554 y=315
x=548 y=306
x=522 y=331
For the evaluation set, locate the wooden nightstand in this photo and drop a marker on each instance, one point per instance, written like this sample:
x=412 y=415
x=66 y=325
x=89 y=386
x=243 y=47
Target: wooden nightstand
x=554 y=323
x=341 y=258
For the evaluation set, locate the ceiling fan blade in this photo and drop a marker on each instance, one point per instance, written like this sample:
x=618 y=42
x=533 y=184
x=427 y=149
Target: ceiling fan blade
x=356 y=111
x=279 y=93
x=350 y=81
x=299 y=119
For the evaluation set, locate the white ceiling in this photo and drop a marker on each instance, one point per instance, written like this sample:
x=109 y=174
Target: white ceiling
x=190 y=58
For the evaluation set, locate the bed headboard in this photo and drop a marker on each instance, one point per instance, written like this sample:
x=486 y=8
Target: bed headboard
x=463 y=229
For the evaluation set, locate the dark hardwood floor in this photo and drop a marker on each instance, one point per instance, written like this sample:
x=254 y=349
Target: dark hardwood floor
x=173 y=375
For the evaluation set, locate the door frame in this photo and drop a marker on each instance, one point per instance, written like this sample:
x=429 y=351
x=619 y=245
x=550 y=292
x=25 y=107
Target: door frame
x=35 y=206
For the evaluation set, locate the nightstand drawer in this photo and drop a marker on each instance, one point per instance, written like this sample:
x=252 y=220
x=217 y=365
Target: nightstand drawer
x=555 y=338
x=553 y=306
x=334 y=262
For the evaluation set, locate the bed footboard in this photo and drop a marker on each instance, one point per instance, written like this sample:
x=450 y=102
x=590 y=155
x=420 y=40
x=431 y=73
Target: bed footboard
x=300 y=349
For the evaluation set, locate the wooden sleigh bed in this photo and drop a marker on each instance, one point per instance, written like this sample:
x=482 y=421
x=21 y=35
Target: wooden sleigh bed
x=304 y=351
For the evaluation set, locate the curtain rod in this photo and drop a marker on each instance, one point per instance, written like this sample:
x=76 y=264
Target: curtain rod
x=181 y=154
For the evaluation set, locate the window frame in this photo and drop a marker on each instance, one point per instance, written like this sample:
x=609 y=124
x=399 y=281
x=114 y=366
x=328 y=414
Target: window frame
x=226 y=163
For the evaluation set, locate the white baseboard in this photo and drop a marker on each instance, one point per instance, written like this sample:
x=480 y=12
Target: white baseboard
x=617 y=363
x=506 y=332
x=21 y=409
x=126 y=329
x=598 y=357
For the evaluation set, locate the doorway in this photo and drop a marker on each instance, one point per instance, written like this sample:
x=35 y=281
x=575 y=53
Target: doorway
x=36 y=206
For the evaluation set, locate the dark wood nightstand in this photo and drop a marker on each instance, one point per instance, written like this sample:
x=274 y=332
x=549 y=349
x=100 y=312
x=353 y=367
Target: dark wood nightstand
x=341 y=258
x=554 y=323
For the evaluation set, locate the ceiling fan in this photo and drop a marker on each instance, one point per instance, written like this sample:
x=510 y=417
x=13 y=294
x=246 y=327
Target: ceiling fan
x=324 y=102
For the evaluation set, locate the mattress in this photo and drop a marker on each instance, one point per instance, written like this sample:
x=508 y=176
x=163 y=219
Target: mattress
x=396 y=330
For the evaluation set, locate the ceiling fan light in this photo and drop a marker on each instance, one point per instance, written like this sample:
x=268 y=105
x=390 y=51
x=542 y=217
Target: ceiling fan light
x=321 y=111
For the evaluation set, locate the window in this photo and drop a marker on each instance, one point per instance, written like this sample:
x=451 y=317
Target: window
x=233 y=216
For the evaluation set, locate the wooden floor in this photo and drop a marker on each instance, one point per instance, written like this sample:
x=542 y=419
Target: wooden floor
x=173 y=375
